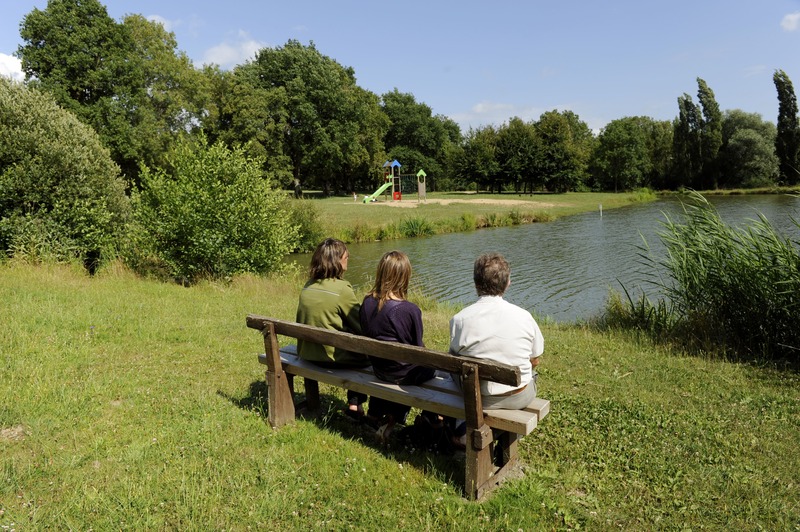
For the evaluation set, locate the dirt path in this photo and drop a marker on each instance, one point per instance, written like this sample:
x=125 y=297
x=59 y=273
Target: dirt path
x=410 y=203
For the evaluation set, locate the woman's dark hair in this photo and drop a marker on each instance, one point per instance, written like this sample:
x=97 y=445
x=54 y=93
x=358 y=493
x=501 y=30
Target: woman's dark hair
x=326 y=262
x=491 y=274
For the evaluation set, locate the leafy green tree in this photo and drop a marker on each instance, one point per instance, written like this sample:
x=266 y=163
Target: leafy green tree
x=479 y=163
x=453 y=153
x=61 y=195
x=242 y=115
x=517 y=146
x=210 y=213
x=686 y=144
x=126 y=80
x=621 y=159
x=658 y=136
x=710 y=135
x=333 y=127
x=416 y=137
x=748 y=150
x=562 y=158
x=787 y=142
x=584 y=141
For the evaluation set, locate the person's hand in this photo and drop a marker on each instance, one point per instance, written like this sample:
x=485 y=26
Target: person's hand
x=535 y=361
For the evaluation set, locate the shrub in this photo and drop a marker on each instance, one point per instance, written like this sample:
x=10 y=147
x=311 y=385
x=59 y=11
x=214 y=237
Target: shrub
x=305 y=216
x=737 y=289
x=61 y=195
x=416 y=226
x=211 y=214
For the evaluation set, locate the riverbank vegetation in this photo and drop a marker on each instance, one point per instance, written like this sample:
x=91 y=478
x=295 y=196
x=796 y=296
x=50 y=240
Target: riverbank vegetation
x=723 y=289
x=138 y=404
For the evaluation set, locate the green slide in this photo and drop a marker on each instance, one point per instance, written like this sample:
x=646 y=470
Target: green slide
x=377 y=193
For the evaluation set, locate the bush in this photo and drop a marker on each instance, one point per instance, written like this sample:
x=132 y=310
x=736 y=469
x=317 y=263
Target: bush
x=736 y=290
x=305 y=216
x=61 y=195
x=416 y=226
x=211 y=215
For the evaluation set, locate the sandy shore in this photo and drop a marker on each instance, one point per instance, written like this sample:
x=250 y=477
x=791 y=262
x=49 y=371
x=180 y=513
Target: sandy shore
x=410 y=203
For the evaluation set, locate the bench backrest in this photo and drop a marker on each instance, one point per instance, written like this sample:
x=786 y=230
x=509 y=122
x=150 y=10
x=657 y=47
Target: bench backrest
x=489 y=370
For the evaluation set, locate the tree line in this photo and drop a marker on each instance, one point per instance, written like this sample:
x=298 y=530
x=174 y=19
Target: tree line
x=294 y=113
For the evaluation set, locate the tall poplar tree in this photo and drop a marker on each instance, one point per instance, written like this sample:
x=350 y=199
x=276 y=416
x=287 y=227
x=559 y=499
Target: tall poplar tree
x=787 y=141
x=710 y=136
x=686 y=143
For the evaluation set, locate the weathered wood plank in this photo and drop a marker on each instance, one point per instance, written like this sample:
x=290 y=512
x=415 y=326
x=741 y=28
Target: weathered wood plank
x=279 y=398
x=540 y=406
x=438 y=395
x=489 y=370
x=511 y=420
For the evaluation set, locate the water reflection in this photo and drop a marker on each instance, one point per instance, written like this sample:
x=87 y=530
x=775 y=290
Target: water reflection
x=563 y=269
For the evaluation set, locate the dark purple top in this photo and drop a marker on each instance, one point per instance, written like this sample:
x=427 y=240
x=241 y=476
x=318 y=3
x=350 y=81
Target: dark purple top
x=398 y=321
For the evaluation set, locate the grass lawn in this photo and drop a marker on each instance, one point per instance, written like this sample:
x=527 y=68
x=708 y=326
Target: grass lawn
x=133 y=404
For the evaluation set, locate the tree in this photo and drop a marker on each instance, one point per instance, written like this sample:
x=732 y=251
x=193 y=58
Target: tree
x=658 y=136
x=562 y=158
x=686 y=150
x=479 y=162
x=748 y=150
x=210 y=213
x=710 y=135
x=333 y=126
x=787 y=142
x=243 y=115
x=621 y=159
x=415 y=134
x=125 y=80
x=60 y=193
x=517 y=145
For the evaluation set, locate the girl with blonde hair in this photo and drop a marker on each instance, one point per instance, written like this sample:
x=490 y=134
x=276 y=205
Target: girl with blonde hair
x=387 y=315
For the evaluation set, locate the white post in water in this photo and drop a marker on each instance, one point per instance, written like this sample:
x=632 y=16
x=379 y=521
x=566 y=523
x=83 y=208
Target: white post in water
x=601 y=210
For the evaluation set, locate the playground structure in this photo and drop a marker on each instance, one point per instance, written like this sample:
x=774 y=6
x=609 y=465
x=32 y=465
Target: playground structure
x=399 y=183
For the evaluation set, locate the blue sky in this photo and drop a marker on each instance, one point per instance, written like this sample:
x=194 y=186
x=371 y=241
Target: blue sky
x=485 y=62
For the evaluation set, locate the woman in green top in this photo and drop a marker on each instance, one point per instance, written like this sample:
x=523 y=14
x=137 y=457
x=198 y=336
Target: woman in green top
x=329 y=301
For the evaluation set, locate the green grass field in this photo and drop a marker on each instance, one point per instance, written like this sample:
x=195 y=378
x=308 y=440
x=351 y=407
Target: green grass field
x=133 y=404
x=448 y=212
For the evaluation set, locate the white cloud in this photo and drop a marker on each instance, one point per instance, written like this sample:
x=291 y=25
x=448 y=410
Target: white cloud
x=791 y=21
x=229 y=54
x=494 y=113
x=168 y=24
x=11 y=67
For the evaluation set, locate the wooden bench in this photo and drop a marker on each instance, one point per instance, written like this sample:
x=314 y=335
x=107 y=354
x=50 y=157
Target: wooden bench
x=492 y=435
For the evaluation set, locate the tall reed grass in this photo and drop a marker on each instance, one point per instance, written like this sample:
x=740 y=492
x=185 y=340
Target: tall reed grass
x=724 y=288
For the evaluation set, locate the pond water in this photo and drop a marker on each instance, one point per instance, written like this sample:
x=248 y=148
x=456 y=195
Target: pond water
x=562 y=270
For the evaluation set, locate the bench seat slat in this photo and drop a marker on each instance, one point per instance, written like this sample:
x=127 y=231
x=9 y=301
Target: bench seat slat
x=440 y=394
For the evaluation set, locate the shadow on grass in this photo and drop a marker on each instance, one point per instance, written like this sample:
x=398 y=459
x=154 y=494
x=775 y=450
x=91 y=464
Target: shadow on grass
x=255 y=400
x=329 y=417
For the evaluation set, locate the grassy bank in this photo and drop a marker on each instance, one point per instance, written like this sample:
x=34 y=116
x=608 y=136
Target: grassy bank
x=130 y=404
x=450 y=212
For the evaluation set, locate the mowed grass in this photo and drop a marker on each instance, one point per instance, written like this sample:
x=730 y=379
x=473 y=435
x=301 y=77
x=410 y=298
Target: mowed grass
x=448 y=212
x=133 y=404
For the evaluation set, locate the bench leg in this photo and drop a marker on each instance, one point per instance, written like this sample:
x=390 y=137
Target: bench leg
x=506 y=448
x=281 y=403
x=479 y=466
x=279 y=383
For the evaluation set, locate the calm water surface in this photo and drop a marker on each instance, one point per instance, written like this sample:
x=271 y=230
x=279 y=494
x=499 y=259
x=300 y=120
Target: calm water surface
x=563 y=269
